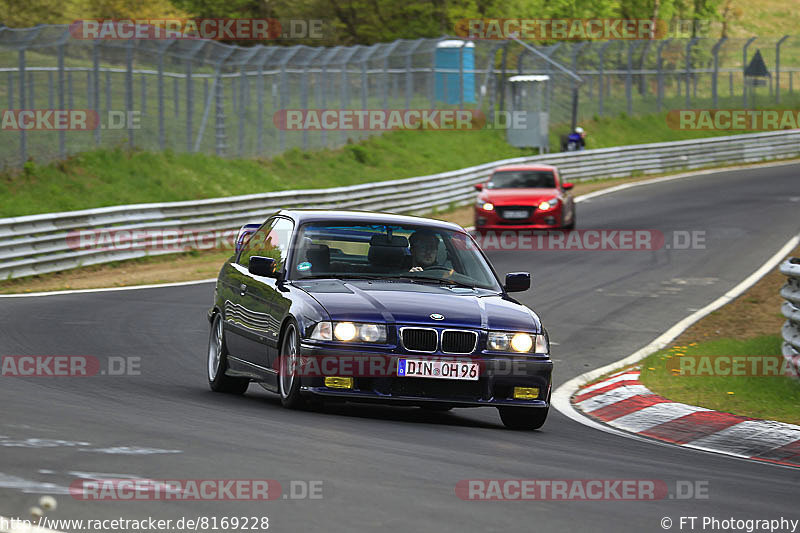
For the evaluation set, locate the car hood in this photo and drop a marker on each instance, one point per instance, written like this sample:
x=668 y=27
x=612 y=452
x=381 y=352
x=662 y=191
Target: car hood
x=517 y=196
x=413 y=303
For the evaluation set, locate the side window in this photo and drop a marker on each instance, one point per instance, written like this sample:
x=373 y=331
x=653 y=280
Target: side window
x=271 y=240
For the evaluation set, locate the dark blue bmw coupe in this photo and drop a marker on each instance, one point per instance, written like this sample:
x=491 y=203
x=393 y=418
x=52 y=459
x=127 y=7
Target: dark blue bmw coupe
x=356 y=306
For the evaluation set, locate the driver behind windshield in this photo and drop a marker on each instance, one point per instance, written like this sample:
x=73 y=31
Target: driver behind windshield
x=424 y=249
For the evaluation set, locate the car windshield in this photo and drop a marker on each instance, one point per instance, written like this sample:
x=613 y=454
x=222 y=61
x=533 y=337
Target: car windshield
x=412 y=253
x=522 y=179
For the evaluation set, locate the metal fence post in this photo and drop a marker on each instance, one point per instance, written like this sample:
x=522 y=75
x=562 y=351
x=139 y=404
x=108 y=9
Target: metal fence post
x=260 y=105
x=176 y=97
x=62 y=151
x=503 y=65
x=108 y=90
x=629 y=78
x=31 y=91
x=461 y=74
x=283 y=92
x=304 y=90
x=129 y=90
x=385 y=85
x=714 y=84
x=660 y=74
x=50 y=101
x=160 y=87
x=744 y=67
x=689 y=46
x=409 y=72
x=69 y=90
x=219 y=129
x=189 y=58
x=778 y=69
x=96 y=87
x=242 y=107
x=600 y=69
x=23 y=141
x=143 y=101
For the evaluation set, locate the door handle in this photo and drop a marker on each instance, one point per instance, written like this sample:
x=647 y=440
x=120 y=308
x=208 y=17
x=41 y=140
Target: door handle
x=243 y=288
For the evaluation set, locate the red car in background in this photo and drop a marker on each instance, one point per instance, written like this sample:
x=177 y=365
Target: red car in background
x=524 y=197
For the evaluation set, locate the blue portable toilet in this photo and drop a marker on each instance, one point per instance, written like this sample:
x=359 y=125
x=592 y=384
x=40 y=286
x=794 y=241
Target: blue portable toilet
x=447 y=58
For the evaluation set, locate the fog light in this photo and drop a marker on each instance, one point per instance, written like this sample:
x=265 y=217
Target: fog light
x=336 y=382
x=526 y=393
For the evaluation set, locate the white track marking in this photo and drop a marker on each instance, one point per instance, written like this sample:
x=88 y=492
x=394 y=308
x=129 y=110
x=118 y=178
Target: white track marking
x=110 y=289
x=611 y=397
x=655 y=415
x=625 y=376
x=749 y=438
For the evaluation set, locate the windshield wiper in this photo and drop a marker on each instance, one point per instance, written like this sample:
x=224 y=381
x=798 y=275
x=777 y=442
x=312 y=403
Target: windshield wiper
x=338 y=276
x=440 y=281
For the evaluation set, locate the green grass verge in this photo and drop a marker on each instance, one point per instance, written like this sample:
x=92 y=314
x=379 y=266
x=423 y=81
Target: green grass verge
x=767 y=397
x=107 y=177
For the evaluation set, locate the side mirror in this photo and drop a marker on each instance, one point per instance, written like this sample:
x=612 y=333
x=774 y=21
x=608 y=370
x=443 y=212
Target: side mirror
x=479 y=186
x=244 y=233
x=518 y=281
x=567 y=186
x=262 y=266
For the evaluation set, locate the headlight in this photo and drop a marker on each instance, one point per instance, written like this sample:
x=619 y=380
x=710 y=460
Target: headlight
x=349 y=332
x=500 y=341
x=549 y=204
x=486 y=206
x=521 y=342
x=345 y=331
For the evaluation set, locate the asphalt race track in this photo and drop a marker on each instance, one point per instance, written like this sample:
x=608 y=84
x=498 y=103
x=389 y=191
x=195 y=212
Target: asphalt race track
x=395 y=469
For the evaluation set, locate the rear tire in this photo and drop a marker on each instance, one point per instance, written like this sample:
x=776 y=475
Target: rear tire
x=218 y=362
x=523 y=418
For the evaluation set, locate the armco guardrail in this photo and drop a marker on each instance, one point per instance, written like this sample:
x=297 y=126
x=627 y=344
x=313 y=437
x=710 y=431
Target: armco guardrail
x=37 y=244
x=791 y=310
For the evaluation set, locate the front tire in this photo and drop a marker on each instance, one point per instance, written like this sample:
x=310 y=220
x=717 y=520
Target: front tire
x=218 y=362
x=288 y=381
x=571 y=225
x=523 y=418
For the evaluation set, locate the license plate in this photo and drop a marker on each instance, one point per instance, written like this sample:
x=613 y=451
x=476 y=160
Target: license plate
x=511 y=213
x=421 y=368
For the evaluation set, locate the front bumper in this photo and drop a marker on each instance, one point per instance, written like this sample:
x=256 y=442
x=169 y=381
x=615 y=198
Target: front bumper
x=491 y=220
x=498 y=376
